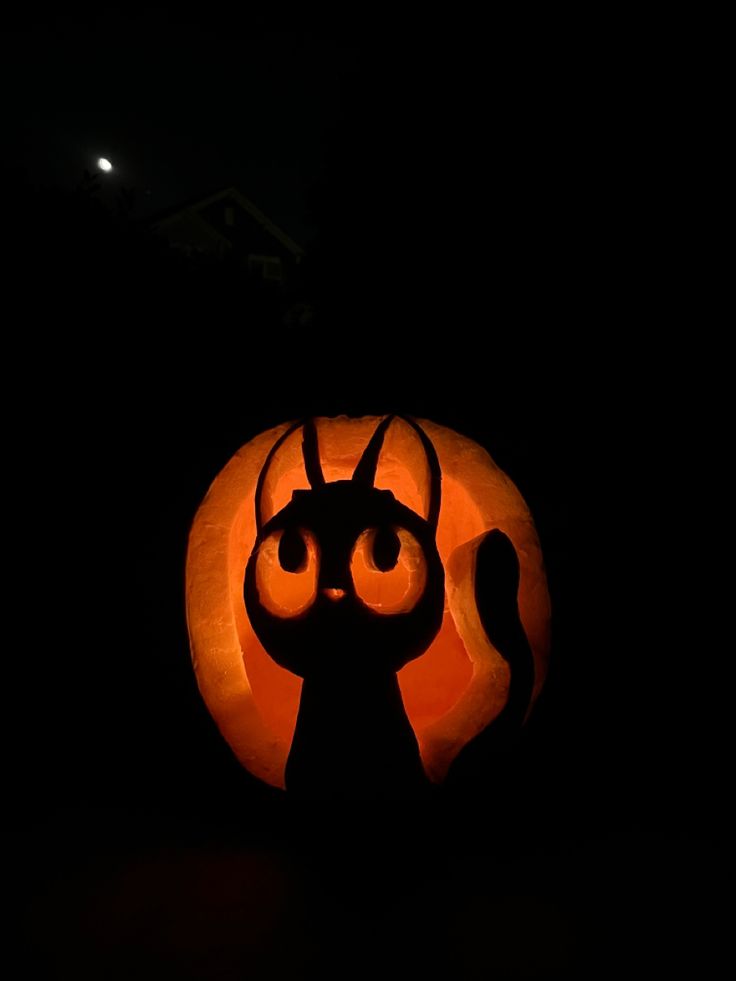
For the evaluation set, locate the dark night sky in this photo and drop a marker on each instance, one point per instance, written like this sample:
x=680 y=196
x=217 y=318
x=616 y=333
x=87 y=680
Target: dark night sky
x=496 y=186
x=181 y=104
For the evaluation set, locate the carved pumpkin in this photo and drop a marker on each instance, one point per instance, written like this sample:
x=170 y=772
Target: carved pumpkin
x=455 y=689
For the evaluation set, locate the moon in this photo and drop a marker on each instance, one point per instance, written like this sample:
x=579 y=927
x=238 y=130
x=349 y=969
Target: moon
x=104 y=164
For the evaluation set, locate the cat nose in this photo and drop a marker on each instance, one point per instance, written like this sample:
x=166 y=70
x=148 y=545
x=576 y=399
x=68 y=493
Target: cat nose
x=334 y=594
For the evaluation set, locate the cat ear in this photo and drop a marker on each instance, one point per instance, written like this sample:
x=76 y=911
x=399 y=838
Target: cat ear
x=400 y=457
x=310 y=452
x=293 y=462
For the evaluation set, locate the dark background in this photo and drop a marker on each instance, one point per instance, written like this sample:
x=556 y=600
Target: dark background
x=483 y=226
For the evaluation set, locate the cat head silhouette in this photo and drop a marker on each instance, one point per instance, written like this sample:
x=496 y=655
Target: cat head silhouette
x=345 y=579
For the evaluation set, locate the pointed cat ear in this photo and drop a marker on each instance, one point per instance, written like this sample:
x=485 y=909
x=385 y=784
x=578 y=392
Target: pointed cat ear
x=400 y=457
x=292 y=463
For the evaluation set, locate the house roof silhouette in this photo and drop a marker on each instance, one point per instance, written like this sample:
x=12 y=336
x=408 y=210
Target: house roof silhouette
x=195 y=207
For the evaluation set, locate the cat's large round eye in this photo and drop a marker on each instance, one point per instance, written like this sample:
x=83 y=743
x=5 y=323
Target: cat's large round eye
x=389 y=569
x=293 y=554
x=287 y=566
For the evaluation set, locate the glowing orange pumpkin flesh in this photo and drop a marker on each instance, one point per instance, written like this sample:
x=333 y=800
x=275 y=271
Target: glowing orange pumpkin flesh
x=450 y=693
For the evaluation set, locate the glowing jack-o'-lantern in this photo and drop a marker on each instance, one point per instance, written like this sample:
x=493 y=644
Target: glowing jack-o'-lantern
x=414 y=561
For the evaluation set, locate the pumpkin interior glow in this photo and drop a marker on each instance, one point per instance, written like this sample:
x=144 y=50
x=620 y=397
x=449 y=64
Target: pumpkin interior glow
x=450 y=693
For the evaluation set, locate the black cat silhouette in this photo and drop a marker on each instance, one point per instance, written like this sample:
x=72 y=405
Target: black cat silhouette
x=352 y=736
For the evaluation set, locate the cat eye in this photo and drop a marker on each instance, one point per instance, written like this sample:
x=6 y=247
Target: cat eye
x=293 y=551
x=287 y=569
x=386 y=549
x=389 y=569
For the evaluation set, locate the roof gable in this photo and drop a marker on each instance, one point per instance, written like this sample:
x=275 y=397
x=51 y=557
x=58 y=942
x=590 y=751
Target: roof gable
x=231 y=194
